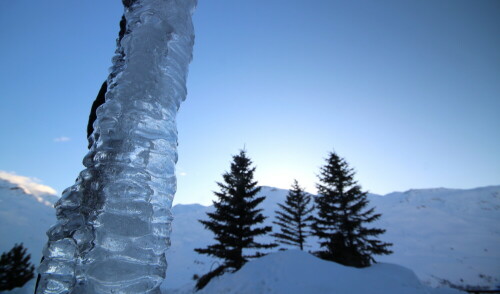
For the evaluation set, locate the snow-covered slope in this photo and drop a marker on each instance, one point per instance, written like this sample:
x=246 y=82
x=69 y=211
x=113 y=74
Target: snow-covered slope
x=297 y=272
x=441 y=234
x=24 y=217
x=26 y=213
x=444 y=235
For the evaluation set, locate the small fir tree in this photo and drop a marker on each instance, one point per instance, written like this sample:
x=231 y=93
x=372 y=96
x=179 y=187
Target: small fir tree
x=293 y=217
x=15 y=268
x=342 y=217
x=235 y=219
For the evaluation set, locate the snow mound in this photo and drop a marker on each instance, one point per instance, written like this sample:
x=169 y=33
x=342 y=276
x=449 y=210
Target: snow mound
x=294 y=272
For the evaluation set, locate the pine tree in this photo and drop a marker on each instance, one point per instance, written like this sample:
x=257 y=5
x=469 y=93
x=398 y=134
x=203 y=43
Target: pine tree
x=234 y=220
x=294 y=217
x=342 y=217
x=15 y=268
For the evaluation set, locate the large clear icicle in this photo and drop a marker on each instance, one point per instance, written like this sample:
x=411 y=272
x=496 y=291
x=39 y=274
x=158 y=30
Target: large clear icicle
x=114 y=223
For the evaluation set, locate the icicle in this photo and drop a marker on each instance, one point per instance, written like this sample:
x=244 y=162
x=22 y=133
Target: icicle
x=114 y=223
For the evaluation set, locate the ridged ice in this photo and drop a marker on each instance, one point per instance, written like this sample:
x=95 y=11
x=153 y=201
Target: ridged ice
x=114 y=223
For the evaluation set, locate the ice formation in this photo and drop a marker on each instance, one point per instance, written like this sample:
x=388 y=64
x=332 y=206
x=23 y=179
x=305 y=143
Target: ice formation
x=114 y=223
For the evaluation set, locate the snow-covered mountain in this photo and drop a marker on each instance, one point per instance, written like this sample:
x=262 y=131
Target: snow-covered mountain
x=25 y=216
x=444 y=235
x=26 y=213
x=441 y=234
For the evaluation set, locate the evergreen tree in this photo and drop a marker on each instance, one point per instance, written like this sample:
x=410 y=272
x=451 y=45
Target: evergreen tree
x=342 y=217
x=294 y=217
x=15 y=268
x=235 y=219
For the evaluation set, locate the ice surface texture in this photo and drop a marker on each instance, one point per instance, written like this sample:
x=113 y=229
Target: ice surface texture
x=114 y=223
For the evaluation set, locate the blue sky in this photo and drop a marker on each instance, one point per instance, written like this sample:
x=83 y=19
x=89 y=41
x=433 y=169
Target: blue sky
x=407 y=91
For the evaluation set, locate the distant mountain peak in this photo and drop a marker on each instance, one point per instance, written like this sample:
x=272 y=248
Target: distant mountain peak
x=29 y=186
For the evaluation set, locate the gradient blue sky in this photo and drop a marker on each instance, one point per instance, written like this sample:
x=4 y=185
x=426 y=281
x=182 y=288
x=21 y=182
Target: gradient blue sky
x=407 y=91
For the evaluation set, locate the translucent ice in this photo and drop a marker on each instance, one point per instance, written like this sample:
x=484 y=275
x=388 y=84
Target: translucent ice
x=114 y=223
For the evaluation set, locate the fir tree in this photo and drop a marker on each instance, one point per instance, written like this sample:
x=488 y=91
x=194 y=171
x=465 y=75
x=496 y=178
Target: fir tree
x=235 y=219
x=342 y=217
x=294 y=217
x=15 y=268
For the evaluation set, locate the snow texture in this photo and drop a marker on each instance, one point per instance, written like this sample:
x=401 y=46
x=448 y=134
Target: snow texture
x=446 y=236
x=297 y=272
x=26 y=212
x=114 y=223
x=422 y=224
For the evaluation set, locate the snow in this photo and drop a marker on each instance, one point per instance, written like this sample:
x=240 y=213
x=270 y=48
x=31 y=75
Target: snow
x=24 y=218
x=297 y=272
x=422 y=224
x=443 y=235
x=31 y=186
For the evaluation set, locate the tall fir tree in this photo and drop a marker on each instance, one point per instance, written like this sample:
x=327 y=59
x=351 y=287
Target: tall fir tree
x=342 y=217
x=294 y=217
x=235 y=219
x=15 y=268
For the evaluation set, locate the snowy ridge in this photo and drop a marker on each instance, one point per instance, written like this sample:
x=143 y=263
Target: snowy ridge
x=43 y=194
x=440 y=234
x=25 y=217
x=444 y=235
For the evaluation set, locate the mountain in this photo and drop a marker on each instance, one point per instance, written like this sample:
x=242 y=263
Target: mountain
x=26 y=213
x=25 y=216
x=445 y=236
